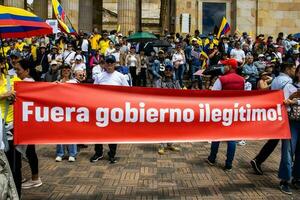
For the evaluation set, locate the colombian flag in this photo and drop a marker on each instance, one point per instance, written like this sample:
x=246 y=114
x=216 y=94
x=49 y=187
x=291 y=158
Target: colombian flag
x=61 y=17
x=224 y=28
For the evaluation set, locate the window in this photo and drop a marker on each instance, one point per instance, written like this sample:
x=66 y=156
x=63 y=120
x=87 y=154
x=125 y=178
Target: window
x=212 y=16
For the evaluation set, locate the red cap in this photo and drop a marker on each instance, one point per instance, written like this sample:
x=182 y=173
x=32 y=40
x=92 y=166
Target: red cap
x=231 y=62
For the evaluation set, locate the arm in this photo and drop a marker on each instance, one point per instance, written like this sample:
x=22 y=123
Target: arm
x=247 y=70
x=154 y=66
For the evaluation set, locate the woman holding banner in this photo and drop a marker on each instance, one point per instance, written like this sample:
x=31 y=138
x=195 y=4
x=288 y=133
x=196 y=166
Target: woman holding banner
x=23 y=71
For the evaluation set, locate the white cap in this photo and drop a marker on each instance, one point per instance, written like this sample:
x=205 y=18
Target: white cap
x=53 y=62
x=261 y=55
x=78 y=57
x=293 y=43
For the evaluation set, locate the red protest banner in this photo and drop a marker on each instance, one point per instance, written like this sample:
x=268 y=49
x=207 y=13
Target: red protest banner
x=49 y=113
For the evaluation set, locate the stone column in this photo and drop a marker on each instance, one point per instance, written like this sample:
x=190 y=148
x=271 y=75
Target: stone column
x=245 y=16
x=127 y=15
x=86 y=15
x=14 y=3
x=40 y=8
x=97 y=14
x=138 y=15
x=71 y=8
x=164 y=16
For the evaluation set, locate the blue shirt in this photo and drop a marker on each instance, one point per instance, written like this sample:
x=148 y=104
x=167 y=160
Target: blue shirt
x=281 y=81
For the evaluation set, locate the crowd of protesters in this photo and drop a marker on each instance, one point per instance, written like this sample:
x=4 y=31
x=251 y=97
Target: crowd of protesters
x=253 y=63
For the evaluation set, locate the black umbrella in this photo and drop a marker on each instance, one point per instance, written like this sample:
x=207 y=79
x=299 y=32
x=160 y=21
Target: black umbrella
x=161 y=43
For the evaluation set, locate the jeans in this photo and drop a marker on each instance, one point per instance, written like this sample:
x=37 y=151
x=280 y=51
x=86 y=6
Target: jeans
x=32 y=159
x=289 y=149
x=194 y=69
x=72 y=149
x=231 y=146
x=179 y=74
x=266 y=151
x=112 y=150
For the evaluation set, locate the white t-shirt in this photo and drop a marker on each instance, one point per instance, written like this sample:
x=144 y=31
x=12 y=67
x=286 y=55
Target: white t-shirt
x=68 y=56
x=238 y=54
x=109 y=51
x=96 y=71
x=117 y=56
x=85 y=45
x=115 y=78
x=79 y=67
x=72 y=81
x=28 y=79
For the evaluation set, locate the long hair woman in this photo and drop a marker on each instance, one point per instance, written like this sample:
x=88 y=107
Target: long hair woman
x=23 y=71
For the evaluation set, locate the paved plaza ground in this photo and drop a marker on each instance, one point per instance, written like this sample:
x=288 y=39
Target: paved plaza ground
x=143 y=174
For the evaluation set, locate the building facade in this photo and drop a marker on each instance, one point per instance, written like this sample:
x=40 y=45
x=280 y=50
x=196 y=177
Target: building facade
x=183 y=16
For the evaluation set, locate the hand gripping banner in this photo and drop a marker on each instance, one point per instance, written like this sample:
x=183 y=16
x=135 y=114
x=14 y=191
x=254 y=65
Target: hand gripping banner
x=53 y=113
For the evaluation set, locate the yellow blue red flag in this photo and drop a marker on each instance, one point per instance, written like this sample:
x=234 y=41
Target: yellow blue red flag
x=61 y=17
x=224 y=28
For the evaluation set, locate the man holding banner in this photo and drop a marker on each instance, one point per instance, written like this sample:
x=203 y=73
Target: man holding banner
x=230 y=81
x=108 y=77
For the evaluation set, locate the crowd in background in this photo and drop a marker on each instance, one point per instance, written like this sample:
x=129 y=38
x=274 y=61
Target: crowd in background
x=181 y=64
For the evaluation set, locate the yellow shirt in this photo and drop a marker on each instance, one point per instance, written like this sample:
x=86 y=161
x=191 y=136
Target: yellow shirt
x=34 y=52
x=95 y=41
x=3 y=90
x=62 y=45
x=20 y=46
x=5 y=49
x=103 y=46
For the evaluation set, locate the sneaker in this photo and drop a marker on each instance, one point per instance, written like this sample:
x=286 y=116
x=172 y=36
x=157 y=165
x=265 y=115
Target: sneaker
x=72 y=159
x=58 y=159
x=211 y=162
x=256 y=167
x=227 y=168
x=285 y=188
x=32 y=184
x=296 y=184
x=242 y=143
x=173 y=148
x=161 y=151
x=24 y=180
x=96 y=158
x=112 y=160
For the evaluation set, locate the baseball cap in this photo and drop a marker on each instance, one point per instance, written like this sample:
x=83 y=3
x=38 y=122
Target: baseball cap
x=53 y=62
x=110 y=59
x=261 y=55
x=169 y=66
x=231 y=62
x=78 y=57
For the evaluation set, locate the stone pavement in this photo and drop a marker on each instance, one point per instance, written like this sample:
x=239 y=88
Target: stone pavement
x=143 y=174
